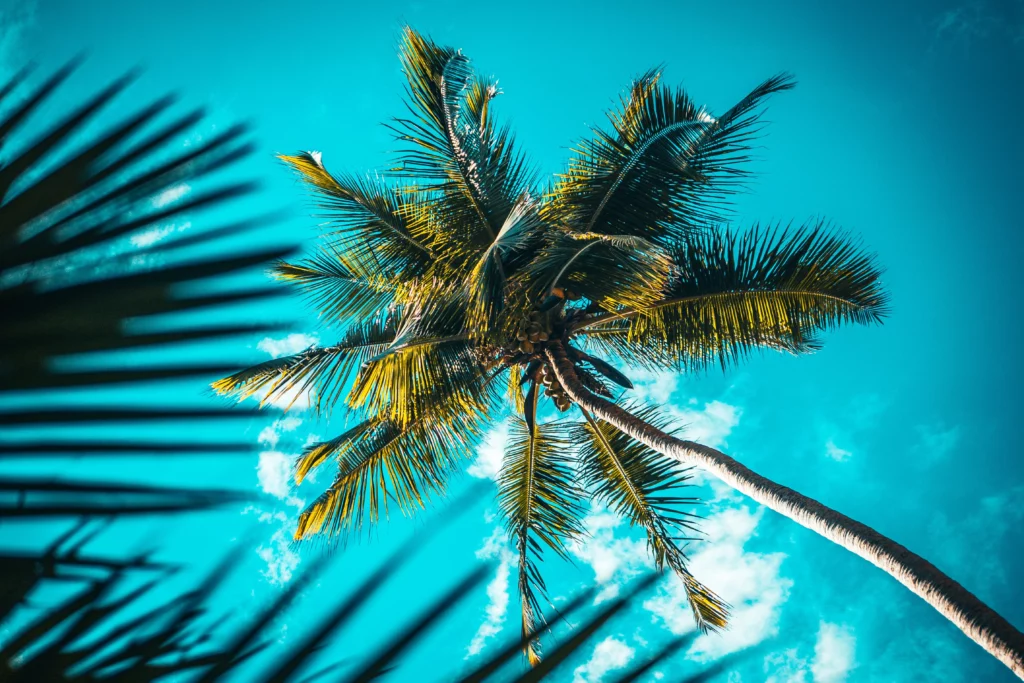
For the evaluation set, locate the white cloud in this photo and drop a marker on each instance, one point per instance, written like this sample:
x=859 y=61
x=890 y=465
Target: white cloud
x=785 y=667
x=286 y=346
x=614 y=560
x=610 y=654
x=749 y=581
x=490 y=453
x=497 y=591
x=271 y=434
x=835 y=452
x=833 y=654
x=274 y=471
x=657 y=387
x=711 y=425
x=281 y=560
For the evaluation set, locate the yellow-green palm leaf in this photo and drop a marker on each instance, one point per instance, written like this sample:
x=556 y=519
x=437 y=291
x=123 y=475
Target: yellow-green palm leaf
x=325 y=371
x=665 y=168
x=368 y=220
x=737 y=292
x=540 y=505
x=643 y=486
x=380 y=464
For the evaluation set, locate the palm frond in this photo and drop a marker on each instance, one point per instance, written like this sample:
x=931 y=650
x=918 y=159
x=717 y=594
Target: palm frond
x=325 y=370
x=430 y=363
x=609 y=270
x=73 y=285
x=642 y=485
x=368 y=221
x=487 y=282
x=471 y=168
x=329 y=281
x=314 y=455
x=664 y=171
x=540 y=505
x=446 y=144
x=770 y=289
x=382 y=461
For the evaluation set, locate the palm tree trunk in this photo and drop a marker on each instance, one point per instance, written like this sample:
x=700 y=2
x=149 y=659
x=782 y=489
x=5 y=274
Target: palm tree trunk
x=980 y=622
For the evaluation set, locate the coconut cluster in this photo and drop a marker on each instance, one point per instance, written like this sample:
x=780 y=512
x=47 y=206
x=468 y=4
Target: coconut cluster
x=535 y=330
x=553 y=389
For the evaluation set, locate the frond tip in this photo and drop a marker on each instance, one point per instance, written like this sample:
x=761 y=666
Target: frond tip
x=642 y=485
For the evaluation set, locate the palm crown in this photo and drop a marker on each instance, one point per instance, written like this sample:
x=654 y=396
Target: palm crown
x=450 y=276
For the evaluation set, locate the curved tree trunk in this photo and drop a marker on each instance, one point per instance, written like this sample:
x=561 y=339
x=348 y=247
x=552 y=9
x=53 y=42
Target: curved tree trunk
x=980 y=622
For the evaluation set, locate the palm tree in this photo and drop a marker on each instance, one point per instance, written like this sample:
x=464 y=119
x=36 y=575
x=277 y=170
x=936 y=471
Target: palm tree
x=67 y=290
x=461 y=288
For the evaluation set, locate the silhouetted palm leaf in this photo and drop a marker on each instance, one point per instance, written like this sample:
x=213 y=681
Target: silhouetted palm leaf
x=70 y=289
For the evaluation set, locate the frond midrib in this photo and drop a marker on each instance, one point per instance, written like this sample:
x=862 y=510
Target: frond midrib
x=629 y=313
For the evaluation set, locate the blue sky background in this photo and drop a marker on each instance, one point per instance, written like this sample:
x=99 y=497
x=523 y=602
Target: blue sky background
x=904 y=130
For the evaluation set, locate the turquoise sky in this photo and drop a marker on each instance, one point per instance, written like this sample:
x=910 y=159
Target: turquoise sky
x=904 y=130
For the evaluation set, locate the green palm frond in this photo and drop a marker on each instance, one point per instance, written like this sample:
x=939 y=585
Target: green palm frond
x=608 y=337
x=368 y=220
x=330 y=284
x=487 y=282
x=430 y=363
x=314 y=455
x=642 y=485
x=609 y=270
x=666 y=168
x=382 y=462
x=760 y=289
x=472 y=173
x=406 y=382
x=540 y=505
x=446 y=144
x=325 y=370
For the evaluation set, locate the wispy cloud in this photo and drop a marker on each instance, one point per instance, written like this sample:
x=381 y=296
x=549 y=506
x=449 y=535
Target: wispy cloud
x=281 y=560
x=833 y=654
x=495 y=547
x=276 y=552
x=751 y=582
x=274 y=468
x=609 y=655
x=710 y=425
x=271 y=434
x=936 y=441
x=610 y=552
x=274 y=473
x=490 y=453
x=835 y=452
x=286 y=346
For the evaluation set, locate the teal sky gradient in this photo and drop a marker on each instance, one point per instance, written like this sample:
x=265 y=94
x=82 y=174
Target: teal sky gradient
x=904 y=130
